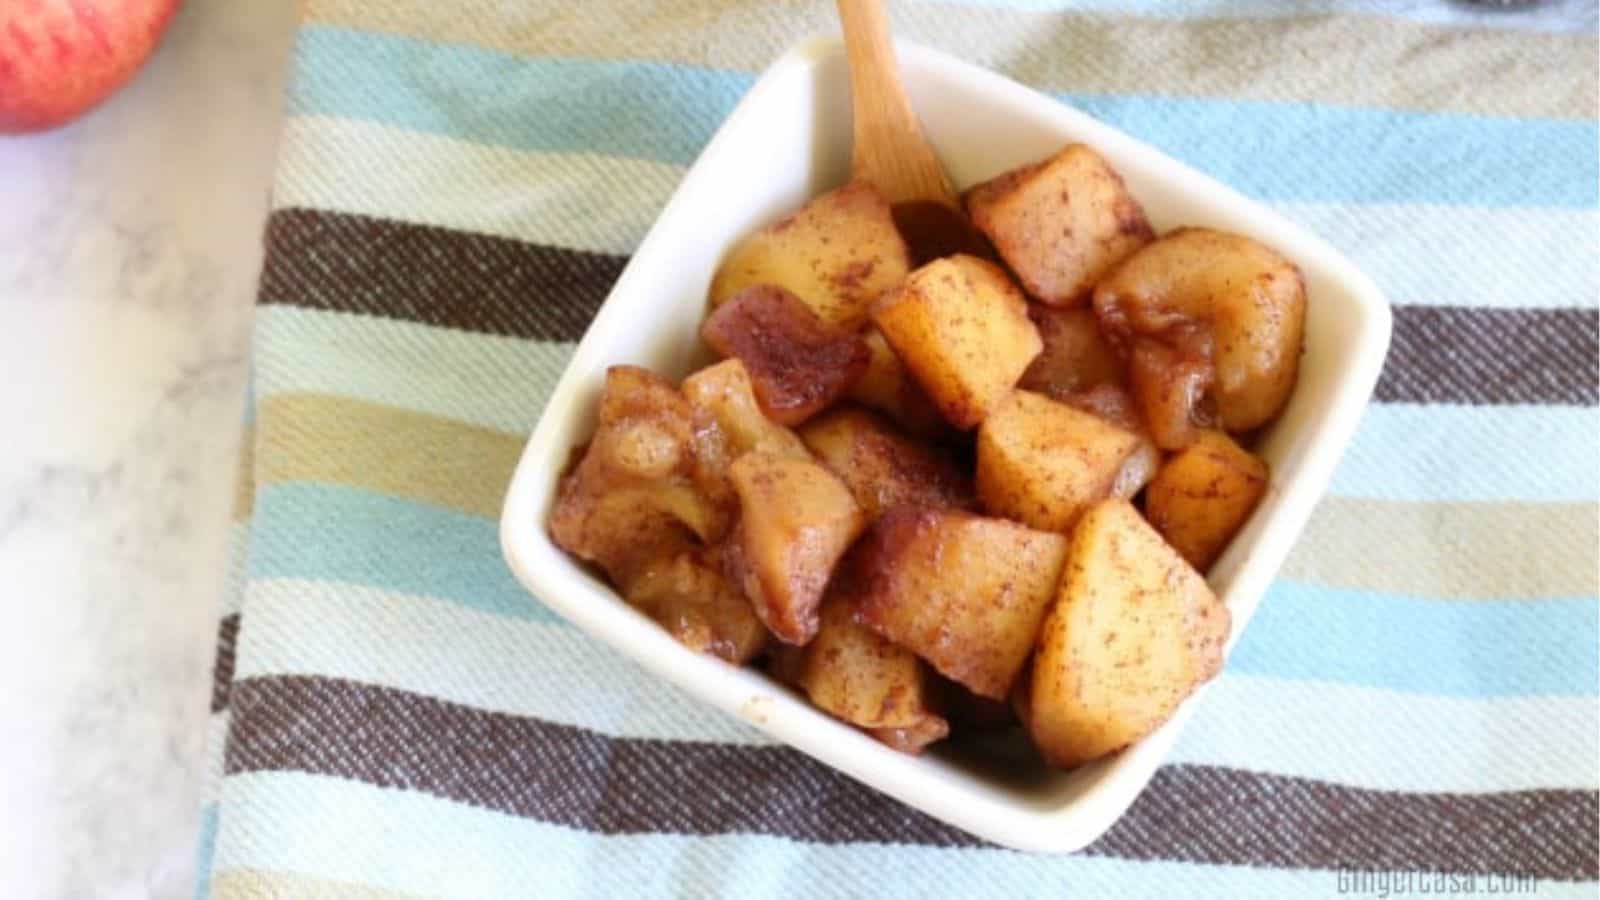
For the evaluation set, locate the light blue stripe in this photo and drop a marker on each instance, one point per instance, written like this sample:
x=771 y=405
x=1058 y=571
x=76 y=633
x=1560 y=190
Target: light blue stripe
x=407 y=841
x=205 y=852
x=1477 y=649
x=1277 y=151
x=1565 y=16
x=1418 y=453
x=1480 y=648
x=347 y=534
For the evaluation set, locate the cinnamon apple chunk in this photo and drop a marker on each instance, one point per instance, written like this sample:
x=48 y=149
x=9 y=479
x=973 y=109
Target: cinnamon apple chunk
x=962 y=329
x=798 y=365
x=837 y=253
x=1204 y=495
x=964 y=592
x=1042 y=463
x=852 y=673
x=686 y=594
x=632 y=495
x=1060 y=223
x=796 y=519
x=882 y=467
x=1133 y=631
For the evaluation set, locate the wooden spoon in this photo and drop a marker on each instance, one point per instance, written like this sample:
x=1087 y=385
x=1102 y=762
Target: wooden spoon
x=889 y=149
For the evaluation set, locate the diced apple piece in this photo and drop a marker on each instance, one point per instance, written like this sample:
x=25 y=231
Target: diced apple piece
x=964 y=592
x=632 y=495
x=852 y=673
x=1076 y=355
x=915 y=738
x=1133 y=632
x=687 y=594
x=722 y=397
x=1115 y=405
x=728 y=423
x=1043 y=463
x=796 y=520
x=1060 y=223
x=838 y=253
x=882 y=467
x=1202 y=497
x=887 y=387
x=1172 y=387
x=962 y=329
x=797 y=365
x=1079 y=367
x=1230 y=312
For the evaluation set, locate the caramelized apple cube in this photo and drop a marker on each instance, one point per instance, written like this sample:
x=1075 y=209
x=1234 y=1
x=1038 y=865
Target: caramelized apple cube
x=838 y=253
x=798 y=366
x=1060 y=223
x=964 y=592
x=796 y=520
x=882 y=467
x=962 y=329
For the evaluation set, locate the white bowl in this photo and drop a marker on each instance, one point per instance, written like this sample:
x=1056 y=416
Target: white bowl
x=788 y=140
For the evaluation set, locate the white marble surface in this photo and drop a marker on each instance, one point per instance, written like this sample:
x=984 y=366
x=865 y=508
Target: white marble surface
x=129 y=249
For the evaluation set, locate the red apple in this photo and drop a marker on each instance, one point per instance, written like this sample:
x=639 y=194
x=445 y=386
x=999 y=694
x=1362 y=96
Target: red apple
x=60 y=57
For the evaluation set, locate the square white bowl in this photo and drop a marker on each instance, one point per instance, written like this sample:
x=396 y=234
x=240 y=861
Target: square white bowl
x=788 y=140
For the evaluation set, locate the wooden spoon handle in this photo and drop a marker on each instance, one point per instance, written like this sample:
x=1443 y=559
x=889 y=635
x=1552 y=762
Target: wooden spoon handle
x=889 y=148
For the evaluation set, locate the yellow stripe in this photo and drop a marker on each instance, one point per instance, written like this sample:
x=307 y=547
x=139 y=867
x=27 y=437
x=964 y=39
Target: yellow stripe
x=244 y=481
x=1458 y=550
x=323 y=438
x=1309 y=59
x=1454 y=551
x=263 y=884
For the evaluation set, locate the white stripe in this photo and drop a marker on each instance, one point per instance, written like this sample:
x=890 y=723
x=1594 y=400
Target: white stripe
x=1505 y=258
x=233 y=577
x=216 y=748
x=542 y=669
x=1389 y=740
x=1421 y=453
x=404 y=841
x=1421 y=255
x=1401 y=452
x=576 y=200
x=1349 y=735
x=495 y=382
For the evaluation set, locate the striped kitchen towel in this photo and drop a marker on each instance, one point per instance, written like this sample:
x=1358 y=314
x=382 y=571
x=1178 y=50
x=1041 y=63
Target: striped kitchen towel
x=1414 y=708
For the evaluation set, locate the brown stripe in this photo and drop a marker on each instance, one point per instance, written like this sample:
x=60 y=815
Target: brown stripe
x=577 y=778
x=456 y=279
x=1455 y=354
x=435 y=276
x=222 y=669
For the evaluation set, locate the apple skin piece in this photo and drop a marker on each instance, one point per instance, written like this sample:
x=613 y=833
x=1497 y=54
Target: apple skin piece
x=798 y=364
x=58 y=58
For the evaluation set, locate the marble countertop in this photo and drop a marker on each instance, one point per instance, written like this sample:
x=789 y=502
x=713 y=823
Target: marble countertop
x=129 y=250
